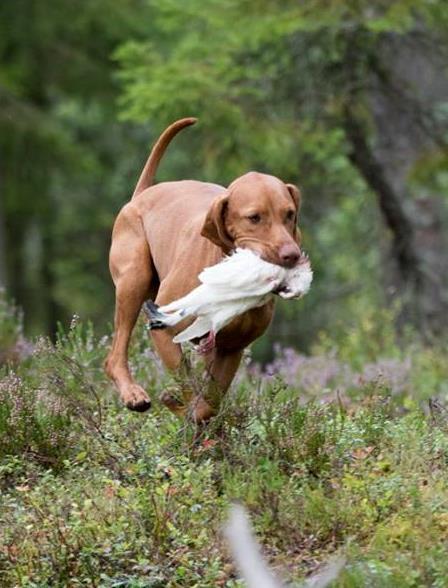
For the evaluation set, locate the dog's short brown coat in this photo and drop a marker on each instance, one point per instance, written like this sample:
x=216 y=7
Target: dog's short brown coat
x=161 y=241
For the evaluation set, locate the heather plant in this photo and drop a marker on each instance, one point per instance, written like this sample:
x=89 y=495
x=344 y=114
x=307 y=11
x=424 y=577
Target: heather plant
x=33 y=422
x=329 y=459
x=46 y=402
x=414 y=373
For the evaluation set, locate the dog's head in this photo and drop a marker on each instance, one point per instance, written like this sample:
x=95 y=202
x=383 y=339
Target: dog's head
x=257 y=212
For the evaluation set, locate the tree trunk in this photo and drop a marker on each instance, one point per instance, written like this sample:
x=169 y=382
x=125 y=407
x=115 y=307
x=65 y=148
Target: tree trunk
x=404 y=88
x=403 y=237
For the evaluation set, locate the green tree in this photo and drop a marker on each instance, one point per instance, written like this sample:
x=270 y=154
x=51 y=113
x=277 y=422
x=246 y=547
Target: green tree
x=64 y=158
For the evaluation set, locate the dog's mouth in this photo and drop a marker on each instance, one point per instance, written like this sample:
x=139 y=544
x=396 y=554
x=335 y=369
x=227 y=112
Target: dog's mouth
x=285 y=292
x=282 y=289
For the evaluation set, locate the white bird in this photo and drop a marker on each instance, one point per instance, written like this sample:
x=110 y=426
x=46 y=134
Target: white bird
x=238 y=283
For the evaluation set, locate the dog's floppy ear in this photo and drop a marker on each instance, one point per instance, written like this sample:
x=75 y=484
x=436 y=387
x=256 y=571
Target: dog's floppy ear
x=214 y=227
x=295 y=195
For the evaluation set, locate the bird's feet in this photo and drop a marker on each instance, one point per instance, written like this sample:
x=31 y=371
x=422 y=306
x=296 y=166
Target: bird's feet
x=155 y=317
x=207 y=345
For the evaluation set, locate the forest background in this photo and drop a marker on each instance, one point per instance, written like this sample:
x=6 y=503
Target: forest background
x=349 y=100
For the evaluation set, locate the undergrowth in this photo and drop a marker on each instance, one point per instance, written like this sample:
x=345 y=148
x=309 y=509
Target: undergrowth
x=94 y=495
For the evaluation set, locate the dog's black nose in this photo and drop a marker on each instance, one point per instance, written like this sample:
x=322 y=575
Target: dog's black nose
x=289 y=255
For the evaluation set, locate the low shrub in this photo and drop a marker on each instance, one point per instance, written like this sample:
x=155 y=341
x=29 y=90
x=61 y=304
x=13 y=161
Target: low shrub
x=94 y=495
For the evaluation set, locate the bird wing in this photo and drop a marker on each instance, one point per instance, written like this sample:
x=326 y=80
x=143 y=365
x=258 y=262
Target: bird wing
x=201 y=326
x=229 y=287
x=241 y=274
x=211 y=294
x=189 y=304
x=200 y=301
x=220 y=316
x=231 y=309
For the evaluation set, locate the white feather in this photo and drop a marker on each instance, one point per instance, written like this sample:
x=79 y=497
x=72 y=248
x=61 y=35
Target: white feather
x=201 y=326
x=246 y=552
x=253 y=568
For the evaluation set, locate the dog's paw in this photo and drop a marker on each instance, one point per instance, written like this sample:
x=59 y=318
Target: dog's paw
x=135 y=398
x=201 y=411
x=172 y=399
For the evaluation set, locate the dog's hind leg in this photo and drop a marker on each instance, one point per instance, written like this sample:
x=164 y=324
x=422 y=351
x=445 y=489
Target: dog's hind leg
x=222 y=369
x=177 y=396
x=132 y=272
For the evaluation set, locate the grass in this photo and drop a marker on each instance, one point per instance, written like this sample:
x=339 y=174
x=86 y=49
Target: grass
x=93 y=495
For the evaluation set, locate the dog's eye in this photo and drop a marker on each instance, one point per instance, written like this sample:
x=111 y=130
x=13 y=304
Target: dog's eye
x=254 y=218
x=290 y=215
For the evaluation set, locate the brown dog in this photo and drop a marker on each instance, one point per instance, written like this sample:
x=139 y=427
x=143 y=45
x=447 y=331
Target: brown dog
x=162 y=240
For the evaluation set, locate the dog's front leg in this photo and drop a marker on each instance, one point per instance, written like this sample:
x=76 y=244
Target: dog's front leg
x=133 y=275
x=128 y=302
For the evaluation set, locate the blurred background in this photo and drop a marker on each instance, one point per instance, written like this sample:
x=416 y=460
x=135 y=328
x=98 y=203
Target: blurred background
x=347 y=99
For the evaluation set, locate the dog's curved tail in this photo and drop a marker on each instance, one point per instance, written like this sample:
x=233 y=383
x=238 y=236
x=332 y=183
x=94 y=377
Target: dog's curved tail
x=149 y=171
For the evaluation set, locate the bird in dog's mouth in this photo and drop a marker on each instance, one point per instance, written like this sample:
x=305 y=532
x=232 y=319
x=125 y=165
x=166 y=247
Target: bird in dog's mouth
x=238 y=283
